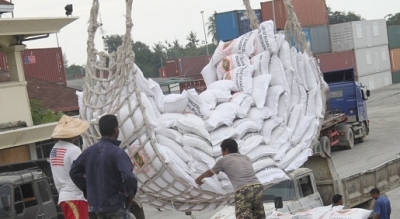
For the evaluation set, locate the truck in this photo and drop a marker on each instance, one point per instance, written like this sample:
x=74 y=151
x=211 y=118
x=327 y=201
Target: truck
x=314 y=184
x=346 y=120
x=27 y=190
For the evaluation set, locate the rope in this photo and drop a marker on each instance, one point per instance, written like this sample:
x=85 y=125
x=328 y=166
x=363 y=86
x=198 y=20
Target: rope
x=251 y=15
x=293 y=29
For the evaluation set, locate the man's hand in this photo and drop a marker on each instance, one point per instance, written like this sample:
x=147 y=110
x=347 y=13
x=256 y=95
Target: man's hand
x=199 y=180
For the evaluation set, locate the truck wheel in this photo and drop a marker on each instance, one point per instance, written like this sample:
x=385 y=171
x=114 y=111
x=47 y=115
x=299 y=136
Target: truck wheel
x=326 y=145
x=364 y=130
x=349 y=143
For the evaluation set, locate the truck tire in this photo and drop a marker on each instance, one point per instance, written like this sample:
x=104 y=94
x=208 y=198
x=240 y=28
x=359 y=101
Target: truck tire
x=326 y=145
x=349 y=143
x=364 y=131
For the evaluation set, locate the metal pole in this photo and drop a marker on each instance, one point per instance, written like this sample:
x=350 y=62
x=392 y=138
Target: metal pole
x=58 y=45
x=12 y=13
x=204 y=29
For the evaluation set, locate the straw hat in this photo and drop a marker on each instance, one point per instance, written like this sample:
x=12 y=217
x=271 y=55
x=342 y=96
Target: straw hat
x=69 y=127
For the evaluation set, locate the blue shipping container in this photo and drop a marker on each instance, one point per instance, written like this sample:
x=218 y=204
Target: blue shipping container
x=308 y=39
x=232 y=24
x=244 y=22
x=227 y=26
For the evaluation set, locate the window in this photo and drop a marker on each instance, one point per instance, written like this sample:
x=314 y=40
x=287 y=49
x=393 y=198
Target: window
x=44 y=191
x=336 y=93
x=285 y=189
x=305 y=186
x=19 y=205
x=28 y=195
x=5 y=201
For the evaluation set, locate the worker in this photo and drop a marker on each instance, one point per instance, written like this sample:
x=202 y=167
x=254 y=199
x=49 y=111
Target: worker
x=240 y=171
x=382 y=209
x=105 y=172
x=337 y=200
x=71 y=199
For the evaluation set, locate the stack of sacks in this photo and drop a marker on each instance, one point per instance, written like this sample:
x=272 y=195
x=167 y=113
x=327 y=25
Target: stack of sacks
x=326 y=212
x=259 y=91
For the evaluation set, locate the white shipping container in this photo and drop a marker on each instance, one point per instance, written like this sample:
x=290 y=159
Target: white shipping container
x=376 y=81
x=358 y=34
x=372 y=60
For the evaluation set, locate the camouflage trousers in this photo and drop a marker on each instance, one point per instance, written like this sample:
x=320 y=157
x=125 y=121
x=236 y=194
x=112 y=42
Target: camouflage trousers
x=248 y=202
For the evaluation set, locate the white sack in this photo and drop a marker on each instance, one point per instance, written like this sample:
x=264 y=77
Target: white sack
x=261 y=63
x=174 y=103
x=222 y=133
x=224 y=114
x=231 y=62
x=273 y=95
x=198 y=142
x=170 y=133
x=259 y=115
x=260 y=89
x=192 y=124
x=243 y=126
x=242 y=76
x=209 y=73
x=244 y=101
x=227 y=86
x=268 y=127
x=299 y=160
x=278 y=72
x=196 y=105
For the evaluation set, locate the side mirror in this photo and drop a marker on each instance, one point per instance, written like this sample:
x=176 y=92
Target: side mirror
x=368 y=93
x=278 y=202
x=5 y=202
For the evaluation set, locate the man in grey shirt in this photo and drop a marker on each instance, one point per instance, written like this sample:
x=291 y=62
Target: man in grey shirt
x=240 y=171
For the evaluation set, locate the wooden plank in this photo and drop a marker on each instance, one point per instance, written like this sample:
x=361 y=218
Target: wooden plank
x=15 y=154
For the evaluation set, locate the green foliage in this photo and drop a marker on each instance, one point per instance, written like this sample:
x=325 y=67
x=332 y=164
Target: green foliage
x=151 y=59
x=393 y=19
x=40 y=115
x=75 y=71
x=212 y=28
x=337 y=17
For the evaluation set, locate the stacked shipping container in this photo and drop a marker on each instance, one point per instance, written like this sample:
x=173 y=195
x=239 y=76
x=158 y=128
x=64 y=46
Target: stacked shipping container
x=394 y=46
x=232 y=24
x=44 y=64
x=367 y=42
x=312 y=15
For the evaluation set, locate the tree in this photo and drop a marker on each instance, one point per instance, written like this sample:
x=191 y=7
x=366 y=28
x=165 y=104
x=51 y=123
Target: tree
x=337 y=17
x=65 y=60
x=212 y=28
x=193 y=41
x=393 y=19
x=75 y=71
x=40 y=115
x=112 y=42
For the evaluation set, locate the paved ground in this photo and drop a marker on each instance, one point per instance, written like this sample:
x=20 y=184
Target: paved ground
x=381 y=145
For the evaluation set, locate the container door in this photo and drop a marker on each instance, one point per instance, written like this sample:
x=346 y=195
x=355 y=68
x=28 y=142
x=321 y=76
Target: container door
x=48 y=207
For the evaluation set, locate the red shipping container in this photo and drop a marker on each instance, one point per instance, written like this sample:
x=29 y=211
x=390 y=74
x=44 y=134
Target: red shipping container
x=395 y=59
x=45 y=64
x=309 y=12
x=336 y=61
x=178 y=67
x=199 y=85
x=171 y=68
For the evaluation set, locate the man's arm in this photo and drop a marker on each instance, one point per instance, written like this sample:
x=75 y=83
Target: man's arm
x=125 y=167
x=206 y=174
x=77 y=173
x=376 y=216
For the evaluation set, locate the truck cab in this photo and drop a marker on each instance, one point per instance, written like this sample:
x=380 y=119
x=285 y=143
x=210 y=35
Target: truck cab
x=26 y=194
x=298 y=193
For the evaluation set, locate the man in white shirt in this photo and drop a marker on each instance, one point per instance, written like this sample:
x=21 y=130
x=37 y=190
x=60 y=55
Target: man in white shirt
x=64 y=152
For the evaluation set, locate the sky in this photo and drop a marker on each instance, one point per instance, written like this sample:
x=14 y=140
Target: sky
x=156 y=20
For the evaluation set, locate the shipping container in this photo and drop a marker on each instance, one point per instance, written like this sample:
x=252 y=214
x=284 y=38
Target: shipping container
x=188 y=65
x=3 y=61
x=358 y=34
x=372 y=60
x=320 y=42
x=394 y=36
x=396 y=77
x=309 y=12
x=307 y=34
x=232 y=24
x=377 y=80
x=45 y=64
x=336 y=61
x=395 y=59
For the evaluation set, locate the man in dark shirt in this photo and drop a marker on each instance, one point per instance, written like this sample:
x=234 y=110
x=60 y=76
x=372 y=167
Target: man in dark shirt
x=104 y=173
x=382 y=207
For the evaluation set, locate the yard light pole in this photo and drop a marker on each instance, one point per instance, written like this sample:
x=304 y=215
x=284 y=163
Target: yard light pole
x=204 y=29
x=193 y=67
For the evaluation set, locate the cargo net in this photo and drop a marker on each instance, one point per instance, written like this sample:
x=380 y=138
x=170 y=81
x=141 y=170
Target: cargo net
x=260 y=92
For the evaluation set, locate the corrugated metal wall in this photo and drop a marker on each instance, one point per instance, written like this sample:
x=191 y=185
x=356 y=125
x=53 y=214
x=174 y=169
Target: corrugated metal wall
x=45 y=64
x=372 y=60
x=358 y=34
x=394 y=36
x=376 y=81
x=244 y=22
x=336 y=61
x=320 y=42
x=309 y=12
x=3 y=62
x=227 y=25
